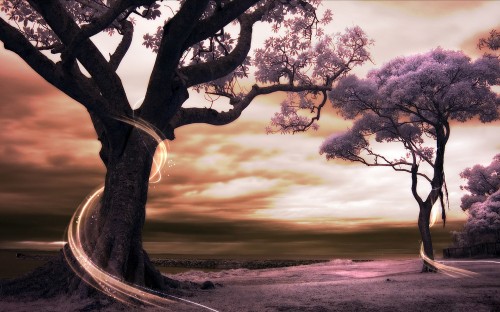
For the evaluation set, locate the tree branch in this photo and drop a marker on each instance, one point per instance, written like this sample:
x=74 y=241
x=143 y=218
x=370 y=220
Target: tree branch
x=304 y=128
x=192 y=115
x=394 y=165
x=73 y=84
x=207 y=27
x=165 y=82
x=175 y=33
x=87 y=53
x=209 y=71
x=414 y=180
x=122 y=48
x=98 y=24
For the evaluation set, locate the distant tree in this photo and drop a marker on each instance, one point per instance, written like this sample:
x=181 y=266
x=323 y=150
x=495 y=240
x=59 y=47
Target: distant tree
x=196 y=49
x=492 y=42
x=482 y=204
x=482 y=182
x=411 y=101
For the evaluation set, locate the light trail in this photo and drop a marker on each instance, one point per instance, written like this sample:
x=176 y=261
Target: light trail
x=442 y=268
x=470 y=261
x=95 y=276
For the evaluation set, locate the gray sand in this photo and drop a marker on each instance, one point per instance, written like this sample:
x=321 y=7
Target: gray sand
x=339 y=285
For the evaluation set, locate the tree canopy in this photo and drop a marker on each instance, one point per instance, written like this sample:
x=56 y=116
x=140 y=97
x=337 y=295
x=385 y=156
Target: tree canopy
x=482 y=204
x=482 y=182
x=412 y=101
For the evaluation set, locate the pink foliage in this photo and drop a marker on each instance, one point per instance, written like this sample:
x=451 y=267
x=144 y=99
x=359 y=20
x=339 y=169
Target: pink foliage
x=483 y=222
x=410 y=98
x=482 y=204
x=34 y=27
x=482 y=182
x=298 y=53
x=296 y=59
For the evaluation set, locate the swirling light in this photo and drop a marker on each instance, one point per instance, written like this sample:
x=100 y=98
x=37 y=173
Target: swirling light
x=442 y=268
x=95 y=276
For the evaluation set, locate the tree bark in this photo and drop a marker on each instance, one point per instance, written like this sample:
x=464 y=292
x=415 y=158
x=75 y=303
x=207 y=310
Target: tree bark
x=425 y=233
x=112 y=234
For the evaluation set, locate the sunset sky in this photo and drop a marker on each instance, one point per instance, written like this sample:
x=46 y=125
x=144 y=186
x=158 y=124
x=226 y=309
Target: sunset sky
x=228 y=186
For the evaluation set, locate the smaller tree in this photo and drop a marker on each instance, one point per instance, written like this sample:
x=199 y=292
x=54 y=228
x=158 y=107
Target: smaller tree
x=482 y=204
x=411 y=101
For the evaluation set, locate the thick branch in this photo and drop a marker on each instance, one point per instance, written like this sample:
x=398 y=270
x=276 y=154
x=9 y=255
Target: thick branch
x=74 y=85
x=122 y=48
x=209 y=71
x=14 y=41
x=414 y=181
x=87 y=53
x=103 y=21
x=209 y=26
x=438 y=179
x=187 y=116
x=175 y=33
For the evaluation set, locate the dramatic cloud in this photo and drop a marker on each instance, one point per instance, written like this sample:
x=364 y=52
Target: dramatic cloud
x=48 y=155
x=234 y=189
x=432 y=9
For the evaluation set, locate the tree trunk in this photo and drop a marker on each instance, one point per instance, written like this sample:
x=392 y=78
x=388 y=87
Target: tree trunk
x=112 y=235
x=425 y=233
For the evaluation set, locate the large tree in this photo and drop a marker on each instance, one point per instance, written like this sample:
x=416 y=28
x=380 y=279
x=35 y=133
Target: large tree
x=411 y=102
x=196 y=48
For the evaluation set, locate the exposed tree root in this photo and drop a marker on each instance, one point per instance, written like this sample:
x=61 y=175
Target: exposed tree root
x=428 y=268
x=57 y=279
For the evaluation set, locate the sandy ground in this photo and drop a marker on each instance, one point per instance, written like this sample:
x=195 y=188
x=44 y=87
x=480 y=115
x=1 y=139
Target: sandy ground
x=339 y=285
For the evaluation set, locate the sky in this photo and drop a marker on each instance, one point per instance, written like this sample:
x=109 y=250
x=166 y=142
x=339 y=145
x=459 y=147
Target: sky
x=235 y=189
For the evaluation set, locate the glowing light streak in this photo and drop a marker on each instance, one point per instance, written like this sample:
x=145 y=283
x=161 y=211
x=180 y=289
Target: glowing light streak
x=470 y=261
x=433 y=219
x=442 y=268
x=97 y=277
x=445 y=269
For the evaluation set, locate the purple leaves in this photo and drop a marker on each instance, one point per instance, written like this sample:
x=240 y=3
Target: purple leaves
x=482 y=181
x=152 y=12
x=482 y=204
x=153 y=41
x=347 y=145
x=412 y=100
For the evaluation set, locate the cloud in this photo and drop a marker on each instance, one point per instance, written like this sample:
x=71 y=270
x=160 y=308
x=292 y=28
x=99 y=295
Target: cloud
x=39 y=123
x=16 y=97
x=239 y=187
x=28 y=188
x=48 y=152
x=432 y=8
x=399 y=28
x=223 y=178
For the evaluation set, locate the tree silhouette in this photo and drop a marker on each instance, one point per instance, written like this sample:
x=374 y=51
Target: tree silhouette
x=195 y=49
x=411 y=101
